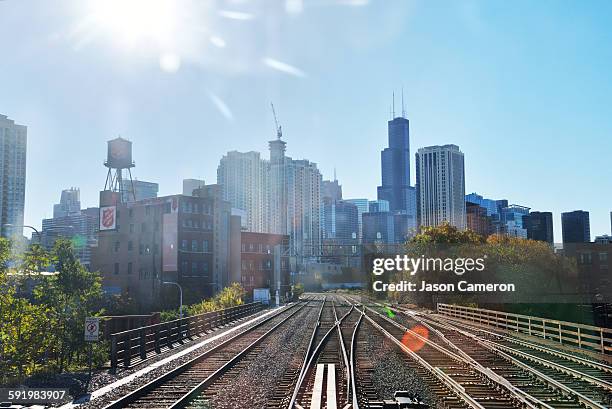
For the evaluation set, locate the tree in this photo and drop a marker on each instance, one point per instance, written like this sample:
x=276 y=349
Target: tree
x=71 y=295
x=22 y=348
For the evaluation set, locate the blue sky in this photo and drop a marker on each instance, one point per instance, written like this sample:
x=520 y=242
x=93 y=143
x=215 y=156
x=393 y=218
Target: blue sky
x=524 y=88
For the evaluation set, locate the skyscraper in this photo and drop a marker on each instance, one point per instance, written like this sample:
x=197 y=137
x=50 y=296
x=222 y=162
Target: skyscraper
x=189 y=185
x=70 y=203
x=340 y=220
x=477 y=219
x=362 y=207
x=70 y=222
x=440 y=186
x=576 y=227
x=142 y=190
x=395 y=167
x=512 y=220
x=13 y=146
x=244 y=180
x=303 y=181
x=539 y=226
x=331 y=189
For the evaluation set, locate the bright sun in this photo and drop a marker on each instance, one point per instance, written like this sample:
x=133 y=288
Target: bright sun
x=135 y=23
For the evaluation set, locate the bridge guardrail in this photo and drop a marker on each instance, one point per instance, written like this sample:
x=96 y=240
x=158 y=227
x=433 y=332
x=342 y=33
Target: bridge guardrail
x=588 y=337
x=140 y=343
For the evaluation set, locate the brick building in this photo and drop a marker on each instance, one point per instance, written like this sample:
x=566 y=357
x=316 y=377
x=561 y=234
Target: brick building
x=264 y=262
x=184 y=239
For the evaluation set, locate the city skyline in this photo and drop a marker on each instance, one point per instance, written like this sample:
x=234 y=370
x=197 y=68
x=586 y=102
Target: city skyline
x=519 y=125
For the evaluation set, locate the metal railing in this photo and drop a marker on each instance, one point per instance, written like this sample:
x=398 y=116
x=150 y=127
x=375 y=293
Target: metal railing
x=143 y=342
x=587 y=337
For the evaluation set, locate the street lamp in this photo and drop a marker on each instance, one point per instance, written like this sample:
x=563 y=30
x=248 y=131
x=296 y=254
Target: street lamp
x=180 y=296
x=22 y=226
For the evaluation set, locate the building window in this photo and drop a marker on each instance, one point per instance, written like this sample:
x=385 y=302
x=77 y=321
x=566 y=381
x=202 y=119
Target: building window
x=603 y=256
x=184 y=244
x=131 y=227
x=205 y=246
x=117 y=244
x=116 y=269
x=130 y=245
x=147 y=210
x=141 y=249
x=131 y=212
x=205 y=266
x=194 y=267
x=129 y=268
x=185 y=266
x=143 y=227
x=194 y=245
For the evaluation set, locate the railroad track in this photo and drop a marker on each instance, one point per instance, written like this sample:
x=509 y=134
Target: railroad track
x=554 y=377
x=325 y=380
x=188 y=384
x=285 y=387
x=469 y=384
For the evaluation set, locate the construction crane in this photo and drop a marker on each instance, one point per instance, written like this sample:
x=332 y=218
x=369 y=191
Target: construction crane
x=279 y=131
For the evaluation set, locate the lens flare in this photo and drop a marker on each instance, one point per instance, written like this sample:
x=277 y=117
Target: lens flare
x=412 y=342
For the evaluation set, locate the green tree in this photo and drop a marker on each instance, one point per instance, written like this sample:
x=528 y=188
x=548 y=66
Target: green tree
x=22 y=348
x=71 y=295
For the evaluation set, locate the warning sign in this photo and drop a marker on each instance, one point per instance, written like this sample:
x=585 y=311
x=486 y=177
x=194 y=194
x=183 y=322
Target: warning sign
x=92 y=329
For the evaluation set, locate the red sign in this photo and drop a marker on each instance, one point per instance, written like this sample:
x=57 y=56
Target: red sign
x=108 y=218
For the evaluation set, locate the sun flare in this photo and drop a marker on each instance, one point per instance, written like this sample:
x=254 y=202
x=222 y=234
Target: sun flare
x=133 y=23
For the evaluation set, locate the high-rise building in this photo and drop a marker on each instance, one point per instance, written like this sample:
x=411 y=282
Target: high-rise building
x=375 y=206
x=512 y=220
x=340 y=220
x=70 y=222
x=576 y=227
x=395 y=167
x=142 y=190
x=539 y=226
x=440 y=186
x=70 y=203
x=13 y=146
x=493 y=208
x=244 y=177
x=303 y=207
x=378 y=227
x=189 y=185
x=477 y=219
x=331 y=189
x=278 y=187
x=362 y=207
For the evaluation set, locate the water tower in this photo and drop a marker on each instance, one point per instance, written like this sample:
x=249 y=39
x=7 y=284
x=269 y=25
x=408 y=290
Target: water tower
x=118 y=159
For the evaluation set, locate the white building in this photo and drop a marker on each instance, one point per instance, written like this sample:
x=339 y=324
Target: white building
x=440 y=186
x=243 y=177
x=280 y=196
x=13 y=143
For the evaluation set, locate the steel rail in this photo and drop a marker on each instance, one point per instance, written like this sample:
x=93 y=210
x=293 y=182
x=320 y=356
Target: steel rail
x=344 y=354
x=583 y=361
x=298 y=385
x=143 y=390
x=195 y=391
x=522 y=396
x=585 y=400
x=450 y=383
x=353 y=366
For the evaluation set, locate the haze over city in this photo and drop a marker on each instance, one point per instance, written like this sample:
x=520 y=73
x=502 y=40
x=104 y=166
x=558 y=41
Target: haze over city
x=525 y=96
